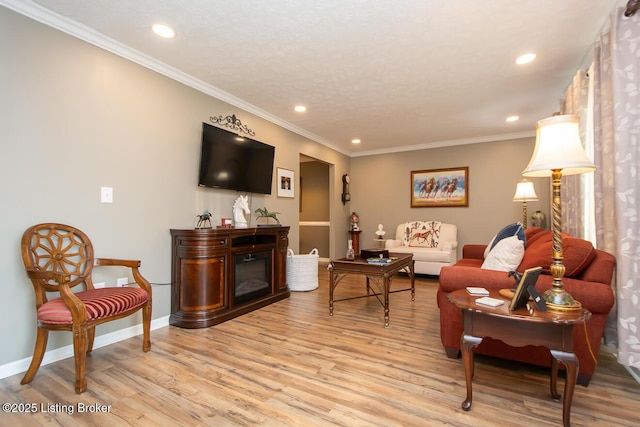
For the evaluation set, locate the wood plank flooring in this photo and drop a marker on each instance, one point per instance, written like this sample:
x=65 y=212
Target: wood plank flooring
x=291 y=364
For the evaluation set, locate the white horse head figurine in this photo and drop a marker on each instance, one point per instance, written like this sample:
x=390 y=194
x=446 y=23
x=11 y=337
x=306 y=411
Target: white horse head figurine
x=240 y=207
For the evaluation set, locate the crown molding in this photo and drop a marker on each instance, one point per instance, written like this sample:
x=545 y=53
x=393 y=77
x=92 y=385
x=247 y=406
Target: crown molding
x=450 y=143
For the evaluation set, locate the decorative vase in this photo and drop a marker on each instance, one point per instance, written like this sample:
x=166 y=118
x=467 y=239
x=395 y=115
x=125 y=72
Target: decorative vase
x=538 y=219
x=350 y=252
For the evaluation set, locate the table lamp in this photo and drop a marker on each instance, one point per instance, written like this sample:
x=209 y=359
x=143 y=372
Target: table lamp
x=558 y=151
x=524 y=193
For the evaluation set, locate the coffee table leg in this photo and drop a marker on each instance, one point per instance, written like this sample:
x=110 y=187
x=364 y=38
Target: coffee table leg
x=387 y=284
x=571 y=363
x=467 y=344
x=332 y=285
x=413 y=280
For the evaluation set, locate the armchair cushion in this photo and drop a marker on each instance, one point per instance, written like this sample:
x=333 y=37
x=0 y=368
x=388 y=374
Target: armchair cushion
x=100 y=303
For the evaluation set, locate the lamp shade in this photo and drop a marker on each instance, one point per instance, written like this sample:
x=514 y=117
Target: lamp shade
x=525 y=192
x=558 y=146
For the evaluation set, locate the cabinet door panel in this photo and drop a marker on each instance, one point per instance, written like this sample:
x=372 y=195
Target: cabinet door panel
x=202 y=283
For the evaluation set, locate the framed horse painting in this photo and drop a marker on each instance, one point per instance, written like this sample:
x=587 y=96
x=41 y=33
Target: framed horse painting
x=440 y=188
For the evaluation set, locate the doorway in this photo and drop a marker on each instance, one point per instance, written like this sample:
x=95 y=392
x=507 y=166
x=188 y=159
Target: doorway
x=314 y=206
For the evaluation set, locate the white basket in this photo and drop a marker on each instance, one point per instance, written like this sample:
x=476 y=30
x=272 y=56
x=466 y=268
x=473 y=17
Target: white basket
x=302 y=271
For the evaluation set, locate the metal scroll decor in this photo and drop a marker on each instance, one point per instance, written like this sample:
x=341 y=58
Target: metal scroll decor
x=233 y=123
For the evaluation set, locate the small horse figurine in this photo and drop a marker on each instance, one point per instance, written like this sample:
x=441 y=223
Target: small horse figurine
x=204 y=219
x=240 y=207
x=264 y=213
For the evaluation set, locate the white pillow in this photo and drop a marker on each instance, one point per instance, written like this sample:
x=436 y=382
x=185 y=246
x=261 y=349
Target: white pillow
x=506 y=255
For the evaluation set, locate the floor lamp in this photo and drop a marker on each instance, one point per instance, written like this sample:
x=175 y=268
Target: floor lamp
x=558 y=151
x=525 y=193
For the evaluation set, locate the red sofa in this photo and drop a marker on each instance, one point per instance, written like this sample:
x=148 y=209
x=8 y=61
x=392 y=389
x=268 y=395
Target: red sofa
x=588 y=277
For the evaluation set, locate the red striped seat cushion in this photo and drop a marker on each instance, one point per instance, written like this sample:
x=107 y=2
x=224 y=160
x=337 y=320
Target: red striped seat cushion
x=100 y=303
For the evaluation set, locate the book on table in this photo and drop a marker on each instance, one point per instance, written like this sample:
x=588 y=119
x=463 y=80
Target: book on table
x=489 y=302
x=381 y=260
x=477 y=291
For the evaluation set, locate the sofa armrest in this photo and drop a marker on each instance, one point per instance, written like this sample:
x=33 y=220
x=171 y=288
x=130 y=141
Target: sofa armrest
x=473 y=251
x=390 y=244
x=459 y=277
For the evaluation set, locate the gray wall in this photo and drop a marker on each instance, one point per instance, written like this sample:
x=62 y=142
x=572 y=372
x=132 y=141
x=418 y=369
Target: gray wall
x=73 y=118
x=381 y=189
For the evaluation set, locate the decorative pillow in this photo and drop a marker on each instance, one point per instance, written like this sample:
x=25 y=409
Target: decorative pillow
x=506 y=255
x=515 y=229
x=423 y=234
x=577 y=254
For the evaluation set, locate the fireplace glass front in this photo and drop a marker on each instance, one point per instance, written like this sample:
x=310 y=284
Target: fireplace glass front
x=252 y=276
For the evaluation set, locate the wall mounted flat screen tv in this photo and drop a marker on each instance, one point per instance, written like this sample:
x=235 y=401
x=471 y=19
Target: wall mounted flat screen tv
x=233 y=162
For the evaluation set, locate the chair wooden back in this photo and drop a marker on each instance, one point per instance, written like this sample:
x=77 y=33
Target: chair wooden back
x=57 y=248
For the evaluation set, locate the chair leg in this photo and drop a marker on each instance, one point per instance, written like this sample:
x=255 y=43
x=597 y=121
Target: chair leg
x=146 y=327
x=91 y=334
x=42 y=336
x=80 y=356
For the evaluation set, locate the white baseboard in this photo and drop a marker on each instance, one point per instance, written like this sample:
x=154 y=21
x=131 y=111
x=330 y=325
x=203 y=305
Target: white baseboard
x=51 y=356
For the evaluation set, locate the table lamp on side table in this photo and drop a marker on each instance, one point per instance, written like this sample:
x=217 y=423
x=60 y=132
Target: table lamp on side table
x=525 y=193
x=558 y=151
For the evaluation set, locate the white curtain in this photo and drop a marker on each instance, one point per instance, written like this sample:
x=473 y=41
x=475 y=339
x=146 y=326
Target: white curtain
x=577 y=190
x=616 y=111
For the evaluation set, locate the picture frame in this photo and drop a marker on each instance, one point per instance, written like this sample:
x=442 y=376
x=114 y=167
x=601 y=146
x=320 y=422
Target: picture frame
x=285 y=182
x=527 y=281
x=437 y=188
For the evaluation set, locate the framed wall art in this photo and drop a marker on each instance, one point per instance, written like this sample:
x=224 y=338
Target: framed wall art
x=285 y=182
x=440 y=188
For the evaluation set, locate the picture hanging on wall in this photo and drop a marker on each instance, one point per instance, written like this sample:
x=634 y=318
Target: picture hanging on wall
x=285 y=182
x=440 y=187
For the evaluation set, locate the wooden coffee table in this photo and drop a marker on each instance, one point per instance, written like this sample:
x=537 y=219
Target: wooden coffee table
x=376 y=274
x=519 y=328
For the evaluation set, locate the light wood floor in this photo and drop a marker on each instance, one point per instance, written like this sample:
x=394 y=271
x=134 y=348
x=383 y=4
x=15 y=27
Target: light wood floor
x=291 y=364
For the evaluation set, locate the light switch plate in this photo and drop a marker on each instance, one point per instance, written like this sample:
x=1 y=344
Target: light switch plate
x=106 y=194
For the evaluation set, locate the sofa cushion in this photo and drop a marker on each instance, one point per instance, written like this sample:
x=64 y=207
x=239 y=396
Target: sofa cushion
x=515 y=229
x=506 y=255
x=577 y=254
x=424 y=254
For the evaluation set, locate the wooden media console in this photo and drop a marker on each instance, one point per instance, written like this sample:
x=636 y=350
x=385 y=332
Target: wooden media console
x=218 y=274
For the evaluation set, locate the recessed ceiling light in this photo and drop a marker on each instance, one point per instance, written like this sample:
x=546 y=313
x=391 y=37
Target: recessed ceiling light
x=164 y=31
x=300 y=108
x=526 y=58
x=512 y=119
x=355 y=141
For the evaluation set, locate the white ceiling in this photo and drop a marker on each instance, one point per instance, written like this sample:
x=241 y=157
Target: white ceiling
x=398 y=74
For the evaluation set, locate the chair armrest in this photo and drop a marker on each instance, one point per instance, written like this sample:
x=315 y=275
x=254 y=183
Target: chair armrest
x=56 y=276
x=73 y=303
x=473 y=251
x=98 y=262
x=132 y=264
x=391 y=243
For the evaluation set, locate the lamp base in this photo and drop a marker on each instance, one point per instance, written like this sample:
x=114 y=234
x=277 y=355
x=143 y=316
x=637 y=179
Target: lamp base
x=560 y=300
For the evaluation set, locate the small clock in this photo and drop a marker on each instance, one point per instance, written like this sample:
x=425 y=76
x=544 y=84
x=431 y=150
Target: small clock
x=345 y=188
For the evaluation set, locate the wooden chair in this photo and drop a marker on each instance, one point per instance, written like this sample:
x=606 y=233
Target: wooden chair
x=58 y=258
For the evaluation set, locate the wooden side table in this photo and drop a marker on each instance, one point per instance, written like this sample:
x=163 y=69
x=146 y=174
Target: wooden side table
x=519 y=328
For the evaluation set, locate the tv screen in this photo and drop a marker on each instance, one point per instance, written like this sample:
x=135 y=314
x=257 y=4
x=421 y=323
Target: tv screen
x=234 y=162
